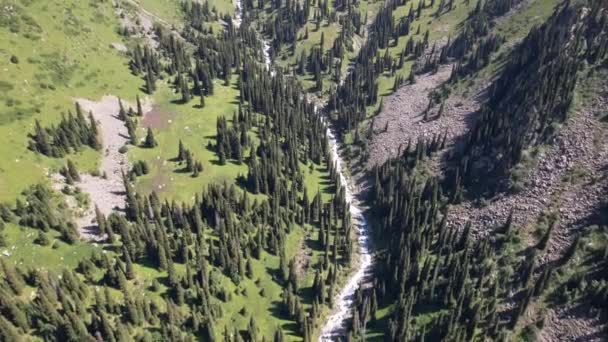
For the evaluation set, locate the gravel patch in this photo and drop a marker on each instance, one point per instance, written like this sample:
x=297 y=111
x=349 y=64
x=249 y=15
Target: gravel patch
x=106 y=191
x=577 y=324
x=403 y=117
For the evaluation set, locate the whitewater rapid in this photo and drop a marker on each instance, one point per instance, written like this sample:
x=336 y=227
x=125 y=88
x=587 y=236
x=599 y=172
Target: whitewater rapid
x=335 y=326
x=238 y=20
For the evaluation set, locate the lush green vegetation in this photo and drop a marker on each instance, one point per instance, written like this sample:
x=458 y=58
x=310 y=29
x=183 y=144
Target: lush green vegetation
x=234 y=225
x=172 y=122
x=62 y=51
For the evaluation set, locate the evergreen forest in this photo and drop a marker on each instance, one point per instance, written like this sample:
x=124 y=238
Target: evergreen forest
x=303 y=170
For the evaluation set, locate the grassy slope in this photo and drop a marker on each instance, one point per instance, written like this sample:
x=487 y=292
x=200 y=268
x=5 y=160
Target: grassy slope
x=84 y=65
x=442 y=26
x=69 y=50
x=64 y=51
x=513 y=28
x=439 y=26
x=81 y=63
x=195 y=127
x=169 y=10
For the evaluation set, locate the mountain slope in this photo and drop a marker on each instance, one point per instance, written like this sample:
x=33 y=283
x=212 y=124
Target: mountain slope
x=184 y=170
x=498 y=177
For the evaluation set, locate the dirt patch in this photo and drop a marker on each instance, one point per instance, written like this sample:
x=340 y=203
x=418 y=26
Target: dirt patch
x=403 y=117
x=106 y=191
x=302 y=259
x=157 y=118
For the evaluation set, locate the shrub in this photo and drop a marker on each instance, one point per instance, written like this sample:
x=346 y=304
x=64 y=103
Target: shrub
x=42 y=239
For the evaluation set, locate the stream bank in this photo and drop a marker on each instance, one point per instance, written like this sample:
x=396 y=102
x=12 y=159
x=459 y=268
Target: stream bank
x=336 y=324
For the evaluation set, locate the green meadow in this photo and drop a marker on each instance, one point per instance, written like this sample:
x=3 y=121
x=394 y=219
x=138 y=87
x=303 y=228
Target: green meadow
x=56 y=51
x=63 y=51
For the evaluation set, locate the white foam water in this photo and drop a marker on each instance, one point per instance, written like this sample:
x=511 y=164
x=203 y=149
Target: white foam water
x=238 y=20
x=335 y=327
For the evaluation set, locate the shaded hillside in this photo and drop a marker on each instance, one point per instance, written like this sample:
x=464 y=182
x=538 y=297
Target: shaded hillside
x=463 y=259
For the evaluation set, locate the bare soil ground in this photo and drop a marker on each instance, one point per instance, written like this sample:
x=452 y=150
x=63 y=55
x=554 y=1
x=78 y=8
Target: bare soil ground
x=157 y=118
x=106 y=191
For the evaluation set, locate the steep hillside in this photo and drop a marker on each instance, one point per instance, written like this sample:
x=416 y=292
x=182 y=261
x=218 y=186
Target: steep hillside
x=490 y=168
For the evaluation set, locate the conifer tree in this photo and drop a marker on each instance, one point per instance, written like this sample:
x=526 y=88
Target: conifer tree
x=140 y=111
x=150 y=141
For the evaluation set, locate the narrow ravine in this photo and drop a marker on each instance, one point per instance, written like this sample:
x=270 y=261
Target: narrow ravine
x=335 y=327
x=336 y=324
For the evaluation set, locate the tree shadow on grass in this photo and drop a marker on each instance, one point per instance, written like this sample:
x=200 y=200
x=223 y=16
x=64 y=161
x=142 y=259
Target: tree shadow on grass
x=291 y=328
x=112 y=248
x=216 y=162
x=241 y=182
x=314 y=245
x=178 y=101
x=330 y=188
x=275 y=274
x=182 y=170
x=307 y=295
